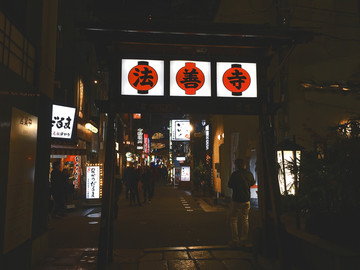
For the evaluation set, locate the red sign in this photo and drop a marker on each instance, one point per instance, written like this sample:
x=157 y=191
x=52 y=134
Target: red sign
x=190 y=78
x=236 y=79
x=73 y=163
x=146 y=143
x=143 y=77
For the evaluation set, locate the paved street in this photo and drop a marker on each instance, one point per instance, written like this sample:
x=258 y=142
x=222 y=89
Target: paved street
x=174 y=231
x=174 y=218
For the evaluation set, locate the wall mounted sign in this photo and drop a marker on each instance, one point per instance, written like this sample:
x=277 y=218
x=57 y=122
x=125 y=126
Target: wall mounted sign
x=190 y=78
x=236 y=80
x=180 y=130
x=62 y=121
x=185 y=173
x=142 y=77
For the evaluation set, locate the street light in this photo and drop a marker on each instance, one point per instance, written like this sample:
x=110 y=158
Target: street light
x=288 y=158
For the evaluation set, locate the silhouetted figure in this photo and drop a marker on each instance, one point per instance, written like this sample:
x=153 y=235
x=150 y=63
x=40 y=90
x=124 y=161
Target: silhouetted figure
x=58 y=189
x=240 y=182
x=69 y=185
x=134 y=179
x=126 y=180
x=146 y=184
x=154 y=178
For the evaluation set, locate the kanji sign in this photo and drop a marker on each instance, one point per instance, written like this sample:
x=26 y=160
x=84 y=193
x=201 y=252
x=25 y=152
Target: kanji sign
x=93 y=181
x=236 y=80
x=74 y=164
x=62 y=121
x=142 y=77
x=190 y=78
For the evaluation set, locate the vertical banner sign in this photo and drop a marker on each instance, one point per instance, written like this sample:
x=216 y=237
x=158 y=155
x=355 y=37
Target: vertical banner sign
x=92 y=182
x=74 y=164
x=207 y=137
x=62 y=121
x=236 y=80
x=142 y=77
x=146 y=143
x=190 y=78
x=140 y=139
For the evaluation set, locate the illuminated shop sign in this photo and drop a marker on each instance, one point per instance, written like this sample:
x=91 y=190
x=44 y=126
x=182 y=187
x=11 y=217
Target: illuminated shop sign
x=94 y=179
x=73 y=164
x=190 y=78
x=207 y=137
x=140 y=141
x=142 y=77
x=146 y=143
x=91 y=127
x=129 y=157
x=236 y=80
x=180 y=130
x=62 y=121
x=185 y=173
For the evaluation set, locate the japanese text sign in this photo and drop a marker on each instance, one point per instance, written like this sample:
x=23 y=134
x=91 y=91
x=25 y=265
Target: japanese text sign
x=180 y=130
x=236 y=80
x=142 y=77
x=62 y=121
x=190 y=78
x=92 y=182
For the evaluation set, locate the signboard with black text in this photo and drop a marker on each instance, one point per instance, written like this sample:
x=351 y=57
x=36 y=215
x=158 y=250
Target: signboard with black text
x=62 y=123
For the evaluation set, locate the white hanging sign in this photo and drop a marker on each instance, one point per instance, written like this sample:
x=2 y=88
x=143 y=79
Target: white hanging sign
x=190 y=78
x=142 y=77
x=237 y=80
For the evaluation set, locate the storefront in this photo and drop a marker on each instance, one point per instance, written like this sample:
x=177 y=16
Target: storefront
x=73 y=147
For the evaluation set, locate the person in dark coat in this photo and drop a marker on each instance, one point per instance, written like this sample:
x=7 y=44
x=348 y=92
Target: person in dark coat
x=57 y=181
x=240 y=182
x=134 y=179
x=146 y=183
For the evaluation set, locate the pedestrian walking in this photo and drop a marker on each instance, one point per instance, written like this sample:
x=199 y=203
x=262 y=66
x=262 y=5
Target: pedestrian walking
x=240 y=182
x=126 y=180
x=134 y=180
x=146 y=184
x=153 y=179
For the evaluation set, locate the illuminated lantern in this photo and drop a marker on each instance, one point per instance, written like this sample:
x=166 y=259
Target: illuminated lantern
x=190 y=78
x=236 y=79
x=288 y=153
x=143 y=77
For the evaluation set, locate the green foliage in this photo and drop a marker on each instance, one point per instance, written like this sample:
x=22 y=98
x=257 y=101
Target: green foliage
x=329 y=191
x=331 y=183
x=201 y=177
